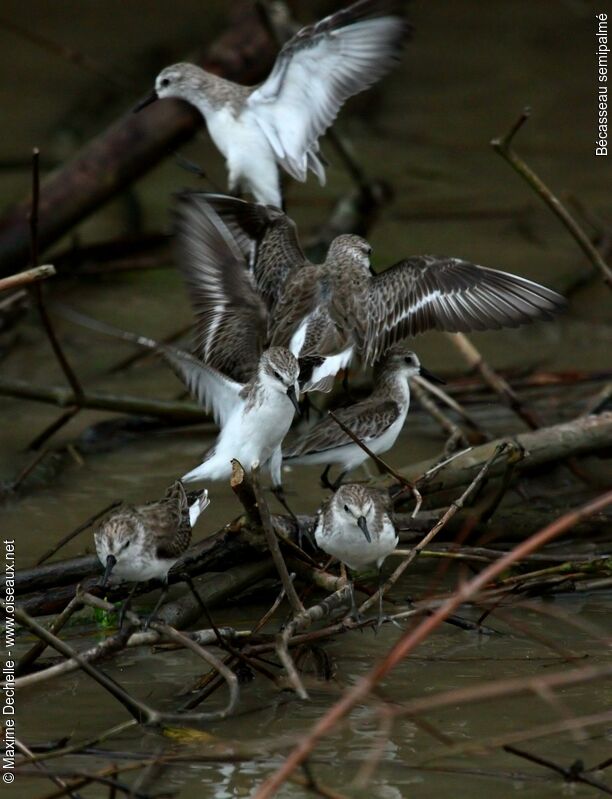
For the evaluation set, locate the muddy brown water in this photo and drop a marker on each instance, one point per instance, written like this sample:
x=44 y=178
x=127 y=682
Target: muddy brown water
x=470 y=70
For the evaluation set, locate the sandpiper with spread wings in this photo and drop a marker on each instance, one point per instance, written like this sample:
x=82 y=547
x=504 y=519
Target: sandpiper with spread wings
x=355 y=526
x=244 y=265
x=137 y=543
x=376 y=420
x=254 y=416
x=281 y=120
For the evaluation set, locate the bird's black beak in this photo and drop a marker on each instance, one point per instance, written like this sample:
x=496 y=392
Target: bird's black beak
x=363 y=526
x=111 y=560
x=430 y=376
x=147 y=101
x=293 y=397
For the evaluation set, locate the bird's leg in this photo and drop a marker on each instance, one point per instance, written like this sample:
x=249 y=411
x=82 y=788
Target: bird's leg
x=338 y=481
x=279 y=493
x=325 y=482
x=158 y=604
x=186 y=577
x=125 y=605
x=382 y=617
x=355 y=614
x=305 y=532
x=305 y=406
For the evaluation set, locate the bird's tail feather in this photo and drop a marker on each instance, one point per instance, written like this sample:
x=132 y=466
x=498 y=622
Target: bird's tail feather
x=201 y=503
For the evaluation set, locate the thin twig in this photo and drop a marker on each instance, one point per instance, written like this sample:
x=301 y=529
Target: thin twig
x=416 y=635
x=26 y=277
x=494 y=380
x=140 y=711
x=35 y=289
x=227 y=674
x=452 y=430
x=503 y=146
x=453 y=508
x=83 y=526
x=63 y=786
x=571 y=774
x=50 y=430
x=382 y=464
x=272 y=540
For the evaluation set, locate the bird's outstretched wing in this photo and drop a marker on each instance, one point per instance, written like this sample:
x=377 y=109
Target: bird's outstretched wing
x=430 y=292
x=213 y=389
x=231 y=317
x=267 y=238
x=218 y=393
x=302 y=295
x=316 y=71
x=367 y=420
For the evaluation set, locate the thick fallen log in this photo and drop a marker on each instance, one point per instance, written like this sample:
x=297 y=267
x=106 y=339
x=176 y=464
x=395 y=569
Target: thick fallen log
x=131 y=146
x=587 y=434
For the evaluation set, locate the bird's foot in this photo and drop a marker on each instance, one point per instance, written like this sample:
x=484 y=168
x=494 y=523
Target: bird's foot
x=279 y=493
x=384 y=618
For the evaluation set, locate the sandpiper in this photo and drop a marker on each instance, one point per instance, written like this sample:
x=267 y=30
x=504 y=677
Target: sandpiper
x=355 y=526
x=242 y=259
x=281 y=120
x=253 y=416
x=136 y=543
x=376 y=420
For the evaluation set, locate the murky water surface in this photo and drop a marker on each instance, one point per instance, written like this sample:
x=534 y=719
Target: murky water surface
x=464 y=79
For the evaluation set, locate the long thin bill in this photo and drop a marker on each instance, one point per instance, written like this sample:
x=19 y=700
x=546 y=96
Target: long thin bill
x=144 y=103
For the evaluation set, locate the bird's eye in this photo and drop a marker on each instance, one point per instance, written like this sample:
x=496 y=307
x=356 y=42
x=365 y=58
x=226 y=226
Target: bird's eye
x=346 y=508
x=165 y=82
x=126 y=545
x=277 y=376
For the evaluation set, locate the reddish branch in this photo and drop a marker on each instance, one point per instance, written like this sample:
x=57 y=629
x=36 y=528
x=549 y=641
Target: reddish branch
x=414 y=637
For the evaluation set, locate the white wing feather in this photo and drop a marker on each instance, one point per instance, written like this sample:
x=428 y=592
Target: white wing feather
x=312 y=77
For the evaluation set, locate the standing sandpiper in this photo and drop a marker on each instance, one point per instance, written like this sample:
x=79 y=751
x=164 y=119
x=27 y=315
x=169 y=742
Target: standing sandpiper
x=136 y=543
x=280 y=121
x=376 y=420
x=355 y=526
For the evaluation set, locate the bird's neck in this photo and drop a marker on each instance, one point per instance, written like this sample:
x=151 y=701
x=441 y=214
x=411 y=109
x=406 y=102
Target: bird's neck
x=393 y=383
x=212 y=93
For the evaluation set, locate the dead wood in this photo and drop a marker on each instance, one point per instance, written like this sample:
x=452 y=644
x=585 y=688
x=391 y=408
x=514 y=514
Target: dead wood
x=102 y=401
x=131 y=146
x=548 y=444
x=29 y=276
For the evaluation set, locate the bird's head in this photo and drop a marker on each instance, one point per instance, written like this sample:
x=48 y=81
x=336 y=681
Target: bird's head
x=354 y=504
x=115 y=541
x=279 y=371
x=401 y=358
x=178 y=80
